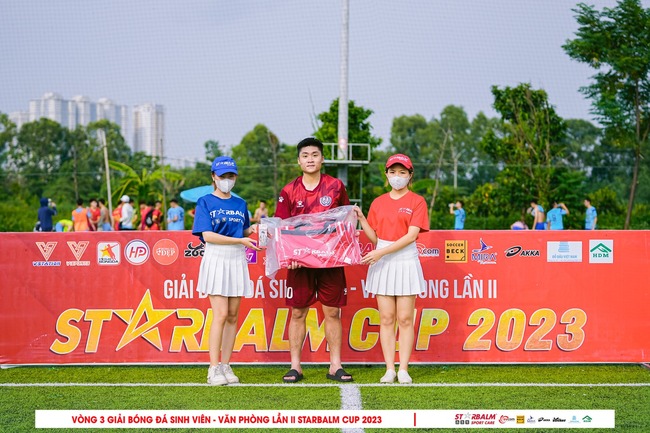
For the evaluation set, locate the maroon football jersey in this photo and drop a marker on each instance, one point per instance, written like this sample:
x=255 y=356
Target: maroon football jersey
x=296 y=200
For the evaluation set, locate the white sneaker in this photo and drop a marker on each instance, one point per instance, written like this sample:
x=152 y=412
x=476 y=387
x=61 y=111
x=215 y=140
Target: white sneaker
x=403 y=377
x=215 y=376
x=226 y=370
x=389 y=377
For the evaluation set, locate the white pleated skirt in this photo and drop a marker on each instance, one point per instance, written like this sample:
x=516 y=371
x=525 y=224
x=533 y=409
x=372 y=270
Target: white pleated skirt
x=224 y=271
x=396 y=274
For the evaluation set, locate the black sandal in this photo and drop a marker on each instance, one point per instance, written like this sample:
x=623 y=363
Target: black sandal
x=340 y=376
x=292 y=376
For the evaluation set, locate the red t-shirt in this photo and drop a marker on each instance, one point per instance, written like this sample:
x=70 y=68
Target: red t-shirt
x=391 y=218
x=295 y=199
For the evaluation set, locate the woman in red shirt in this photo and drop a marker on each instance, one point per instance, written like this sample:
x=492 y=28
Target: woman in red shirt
x=395 y=275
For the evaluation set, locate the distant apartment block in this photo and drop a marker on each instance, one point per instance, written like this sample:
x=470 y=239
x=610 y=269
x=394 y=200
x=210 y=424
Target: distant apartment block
x=149 y=129
x=80 y=110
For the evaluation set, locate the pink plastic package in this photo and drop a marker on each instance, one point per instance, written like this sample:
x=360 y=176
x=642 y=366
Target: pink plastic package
x=318 y=240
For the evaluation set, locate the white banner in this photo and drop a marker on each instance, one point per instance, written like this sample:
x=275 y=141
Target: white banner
x=168 y=419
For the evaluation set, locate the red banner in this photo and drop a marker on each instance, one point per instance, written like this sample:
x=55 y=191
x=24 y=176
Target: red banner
x=492 y=297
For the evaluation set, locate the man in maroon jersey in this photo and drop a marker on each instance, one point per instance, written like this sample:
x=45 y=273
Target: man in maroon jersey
x=310 y=193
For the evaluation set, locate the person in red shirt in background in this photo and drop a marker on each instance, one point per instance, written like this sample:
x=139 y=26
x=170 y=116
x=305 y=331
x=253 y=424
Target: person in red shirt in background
x=395 y=275
x=117 y=216
x=94 y=212
x=145 y=208
x=310 y=193
x=156 y=217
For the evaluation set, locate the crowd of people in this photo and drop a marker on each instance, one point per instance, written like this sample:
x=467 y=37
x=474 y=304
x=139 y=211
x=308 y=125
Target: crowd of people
x=97 y=217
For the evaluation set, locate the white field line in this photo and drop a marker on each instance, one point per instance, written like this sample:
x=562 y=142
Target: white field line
x=351 y=400
x=329 y=385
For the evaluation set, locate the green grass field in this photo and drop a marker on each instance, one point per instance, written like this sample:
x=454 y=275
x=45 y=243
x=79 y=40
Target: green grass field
x=623 y=388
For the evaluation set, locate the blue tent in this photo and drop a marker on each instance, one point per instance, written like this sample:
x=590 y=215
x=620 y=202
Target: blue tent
x=192 y=195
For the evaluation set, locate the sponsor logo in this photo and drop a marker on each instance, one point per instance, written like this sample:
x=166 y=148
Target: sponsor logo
x=530 y=420
x=482 y=256
x=517 y=250
x=601 y=251
x=455 y=251
x=46 y=249
x=564 y=251
x=326 y=200
x=165 y=252
x=542 y=419
x=78 y=249
x=463 y=418
x=280 y=199
x=406 y=210
x=574 y=419
x=586 y=418
x=300 y=204
x=423 y=251
x=108 y=253
x=558 y=419
x=521 y=419
x=194 y=251
x=504 y=419
x=136 y=252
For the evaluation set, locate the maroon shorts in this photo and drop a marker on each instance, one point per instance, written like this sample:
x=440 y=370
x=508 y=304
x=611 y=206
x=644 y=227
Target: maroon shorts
x=308 y=285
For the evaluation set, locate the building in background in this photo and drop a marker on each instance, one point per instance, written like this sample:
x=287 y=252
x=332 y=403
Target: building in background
x=149 y=129
x=78 y=111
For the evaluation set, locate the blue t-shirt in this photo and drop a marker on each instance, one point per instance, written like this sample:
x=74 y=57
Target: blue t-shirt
x=227 y=217
x=554 y=217
x=172 y=213
x=590 y=217
x=459 y=220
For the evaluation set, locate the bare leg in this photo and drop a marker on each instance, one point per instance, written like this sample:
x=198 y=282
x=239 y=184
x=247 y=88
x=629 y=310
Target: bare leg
x=405 y=305
x=230 y=329
x=219 y=306
x=387 y=307
x=333 y=334
x=297 y=332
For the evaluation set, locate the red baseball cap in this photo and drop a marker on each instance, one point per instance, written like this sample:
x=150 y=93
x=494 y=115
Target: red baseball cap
x=398 y=158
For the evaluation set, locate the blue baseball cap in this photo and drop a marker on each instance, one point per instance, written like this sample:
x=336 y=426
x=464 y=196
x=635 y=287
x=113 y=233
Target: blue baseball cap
x=224 y=164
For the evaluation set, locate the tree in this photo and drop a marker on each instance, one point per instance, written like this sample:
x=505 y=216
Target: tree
x=359 y=131
x=35 y=156
x=143 y=185
x=263 y=163
x=212 y=150
x=616 y=43
x=527 y=141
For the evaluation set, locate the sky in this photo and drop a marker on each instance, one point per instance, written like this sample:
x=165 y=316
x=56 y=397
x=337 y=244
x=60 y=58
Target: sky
x=221 y=67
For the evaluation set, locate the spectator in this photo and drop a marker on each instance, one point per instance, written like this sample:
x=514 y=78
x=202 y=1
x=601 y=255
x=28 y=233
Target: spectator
x=175 y=216
x=554 y=216
x=260 y=212
x=80 y=217
x=127 y=215
x=94 y=213
x=104 y=223
x=45 y=214
x=537 y=211
x=591 y=216
x=459 y=213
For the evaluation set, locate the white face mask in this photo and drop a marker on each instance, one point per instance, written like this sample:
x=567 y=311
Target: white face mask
x=225 y=185
x=398 y=182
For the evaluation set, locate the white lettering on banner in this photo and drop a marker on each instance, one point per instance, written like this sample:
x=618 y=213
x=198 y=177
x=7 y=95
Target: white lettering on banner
x=180 y=289
x=468 y=288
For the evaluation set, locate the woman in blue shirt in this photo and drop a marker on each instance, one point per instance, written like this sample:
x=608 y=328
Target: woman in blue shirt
x=221 y=222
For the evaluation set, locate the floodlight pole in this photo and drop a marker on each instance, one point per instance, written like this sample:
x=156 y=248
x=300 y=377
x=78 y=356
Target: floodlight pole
x=102 y=136
x=343 y=94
